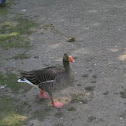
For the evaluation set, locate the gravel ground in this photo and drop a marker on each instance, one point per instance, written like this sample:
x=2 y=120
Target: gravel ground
x=99 y=50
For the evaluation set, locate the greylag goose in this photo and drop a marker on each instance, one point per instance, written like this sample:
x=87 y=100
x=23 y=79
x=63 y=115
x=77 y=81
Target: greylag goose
x=50 y=79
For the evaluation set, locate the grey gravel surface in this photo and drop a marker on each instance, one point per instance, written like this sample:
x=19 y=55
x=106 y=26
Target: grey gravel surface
x=99 y=27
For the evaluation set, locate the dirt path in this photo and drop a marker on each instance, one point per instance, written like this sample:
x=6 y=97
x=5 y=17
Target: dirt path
x=100 y=52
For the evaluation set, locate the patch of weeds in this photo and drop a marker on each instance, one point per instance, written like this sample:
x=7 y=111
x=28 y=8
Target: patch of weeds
x=4 y=9
x=8 y=36
x=71 y=109
x=59 y=114
x=10 y=79
x=12 y=119
x=10 y=113
x=41 y=114
x=77 y=97
x=21 y=56
x=92 y=118
x=123 y=93
x=6 y=24
x=24 y=25
x=14 y=33
x=90 y=88
x=71 y=39
x=48 y=26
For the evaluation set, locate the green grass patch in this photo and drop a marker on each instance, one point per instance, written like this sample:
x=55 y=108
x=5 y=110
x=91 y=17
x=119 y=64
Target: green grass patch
x=24 y=25
x=21 y=56
x=14 y=29
x=10 y=113
x=14 y=33
x=6 y=24
x=4 y=9
x=10 y=35
x=10 y=79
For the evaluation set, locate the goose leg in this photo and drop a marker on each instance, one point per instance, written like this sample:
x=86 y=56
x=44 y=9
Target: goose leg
x=42 y=94
x=56 y=104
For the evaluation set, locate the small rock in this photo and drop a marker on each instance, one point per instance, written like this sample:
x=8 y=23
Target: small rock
x=71 y=39
x=94 y=76
x=85 y=75
x=23 y=10
x=3 y=87
x=78 y=84
x=93 y=81
x=36 y=57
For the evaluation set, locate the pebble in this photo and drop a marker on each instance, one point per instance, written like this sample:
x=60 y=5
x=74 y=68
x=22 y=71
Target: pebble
x=23 y=10
x=3 y=87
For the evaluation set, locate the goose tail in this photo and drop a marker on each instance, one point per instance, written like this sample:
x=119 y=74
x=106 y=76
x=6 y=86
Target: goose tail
x=24 y=80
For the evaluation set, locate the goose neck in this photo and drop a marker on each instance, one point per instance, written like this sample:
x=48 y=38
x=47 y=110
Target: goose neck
x=66 y=65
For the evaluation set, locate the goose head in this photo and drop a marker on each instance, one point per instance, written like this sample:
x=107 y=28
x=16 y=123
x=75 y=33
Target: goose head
x=68 y=58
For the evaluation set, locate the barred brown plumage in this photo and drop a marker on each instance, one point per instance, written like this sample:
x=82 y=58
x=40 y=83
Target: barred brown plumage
x=51 y=78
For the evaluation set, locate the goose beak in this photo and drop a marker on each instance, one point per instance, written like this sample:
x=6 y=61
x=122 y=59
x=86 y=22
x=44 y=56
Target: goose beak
x=70 y=59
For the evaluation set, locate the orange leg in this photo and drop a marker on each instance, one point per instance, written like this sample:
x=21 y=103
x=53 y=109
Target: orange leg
x=56 y=104
x=42 y=94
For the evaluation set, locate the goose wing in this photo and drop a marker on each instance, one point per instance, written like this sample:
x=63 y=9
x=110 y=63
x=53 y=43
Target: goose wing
x=42 y=76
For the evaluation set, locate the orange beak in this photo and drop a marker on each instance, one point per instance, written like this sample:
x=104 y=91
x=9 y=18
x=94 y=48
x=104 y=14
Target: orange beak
x=70 y=59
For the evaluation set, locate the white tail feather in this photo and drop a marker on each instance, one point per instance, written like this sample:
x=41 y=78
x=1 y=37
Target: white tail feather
x=26 y=81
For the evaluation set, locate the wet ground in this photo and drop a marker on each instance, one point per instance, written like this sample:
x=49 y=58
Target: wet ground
x=99 y=49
